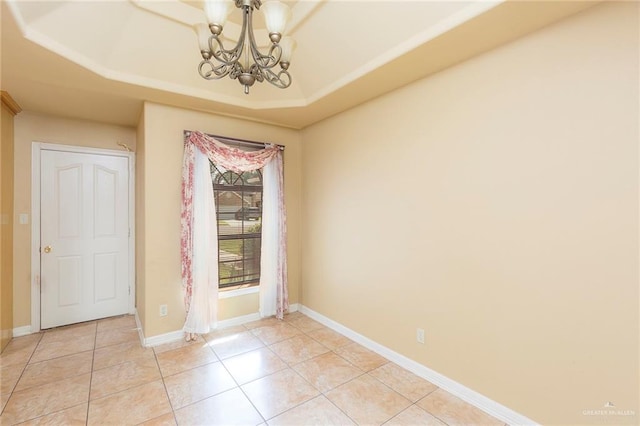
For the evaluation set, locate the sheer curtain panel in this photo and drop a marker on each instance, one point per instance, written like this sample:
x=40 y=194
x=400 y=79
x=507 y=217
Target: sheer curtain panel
x=199 y=243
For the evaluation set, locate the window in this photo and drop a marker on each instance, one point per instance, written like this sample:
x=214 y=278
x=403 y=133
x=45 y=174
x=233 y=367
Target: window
x=238 y=198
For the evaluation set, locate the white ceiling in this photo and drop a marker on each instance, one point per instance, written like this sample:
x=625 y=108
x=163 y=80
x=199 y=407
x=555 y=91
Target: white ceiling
x=99 y=60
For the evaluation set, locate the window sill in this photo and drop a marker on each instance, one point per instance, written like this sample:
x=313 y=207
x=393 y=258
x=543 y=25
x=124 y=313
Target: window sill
x=238 y=292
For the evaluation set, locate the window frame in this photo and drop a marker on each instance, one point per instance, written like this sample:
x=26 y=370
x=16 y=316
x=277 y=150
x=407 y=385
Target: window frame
x=245 y=145
x=218 y=189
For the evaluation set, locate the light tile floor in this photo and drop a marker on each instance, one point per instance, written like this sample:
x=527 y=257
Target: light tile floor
x=291 y=372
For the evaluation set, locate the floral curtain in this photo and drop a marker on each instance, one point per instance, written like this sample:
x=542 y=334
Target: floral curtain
x=199 y=243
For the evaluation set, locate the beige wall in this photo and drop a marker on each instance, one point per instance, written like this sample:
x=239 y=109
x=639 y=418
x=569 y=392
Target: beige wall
x=6 y=225
x=159 y=251
x=158 y=173
x=495 y=205
x=30 y=127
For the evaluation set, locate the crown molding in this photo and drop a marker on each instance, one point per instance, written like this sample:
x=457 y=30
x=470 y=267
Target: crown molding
x=10 y=103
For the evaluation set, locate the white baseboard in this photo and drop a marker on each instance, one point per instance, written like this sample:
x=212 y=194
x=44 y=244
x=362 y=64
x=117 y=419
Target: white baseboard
x=22 y=331
x=238 y=320
x=139 y=327
x=174 y=336
x=171 y=336
x=161 y=339
x=474 y=398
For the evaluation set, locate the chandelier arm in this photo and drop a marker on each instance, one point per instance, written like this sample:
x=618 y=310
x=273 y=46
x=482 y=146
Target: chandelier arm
x=231 y=56
x=236 y=71
x=214 y=72
x=269 y=60
x=227 y=57
x=263 y=61
x=257 y=72
x=281 y=80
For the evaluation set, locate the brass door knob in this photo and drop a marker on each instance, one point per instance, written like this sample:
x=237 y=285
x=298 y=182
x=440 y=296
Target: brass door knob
x=47 y=249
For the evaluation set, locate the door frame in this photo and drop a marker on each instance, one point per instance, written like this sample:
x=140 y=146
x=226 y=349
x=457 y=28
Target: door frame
x=36 y=149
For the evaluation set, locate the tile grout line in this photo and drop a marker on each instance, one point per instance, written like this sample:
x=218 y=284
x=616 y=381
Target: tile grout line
x=395 y=391
x=265 y=346
x=389 y=387
x=324 y=394
x=239 y=386
x=166 y=391
x=105 y=347
x=93 y=357
x=220 y=360
x=433 y=414
x=38 y=344
x=264 y=420
x=42 y=334
x=320 y=392
x=12 y=391
x=288 y=366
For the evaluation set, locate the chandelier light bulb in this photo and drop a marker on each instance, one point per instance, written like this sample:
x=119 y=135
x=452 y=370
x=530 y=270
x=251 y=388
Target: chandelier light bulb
x=203 y=39
x=217 y=11
x=276 y=16
x=288 y=45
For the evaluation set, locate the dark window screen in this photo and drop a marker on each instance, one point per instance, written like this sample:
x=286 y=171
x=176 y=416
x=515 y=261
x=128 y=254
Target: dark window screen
x=238 y=198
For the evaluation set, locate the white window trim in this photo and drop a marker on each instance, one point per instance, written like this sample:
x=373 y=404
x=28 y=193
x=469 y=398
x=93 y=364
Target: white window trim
x=238 y=292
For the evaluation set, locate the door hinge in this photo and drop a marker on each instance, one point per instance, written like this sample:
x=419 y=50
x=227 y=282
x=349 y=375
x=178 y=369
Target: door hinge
x=129 y=233
x=129 y=290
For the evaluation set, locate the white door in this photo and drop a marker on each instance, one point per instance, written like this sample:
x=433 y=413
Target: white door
x=84 y=231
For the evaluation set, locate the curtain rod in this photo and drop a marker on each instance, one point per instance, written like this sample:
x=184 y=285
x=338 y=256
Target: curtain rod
x=241 y=141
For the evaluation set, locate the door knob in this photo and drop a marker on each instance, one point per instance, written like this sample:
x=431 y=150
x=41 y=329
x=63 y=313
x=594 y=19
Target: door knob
x=47 y=249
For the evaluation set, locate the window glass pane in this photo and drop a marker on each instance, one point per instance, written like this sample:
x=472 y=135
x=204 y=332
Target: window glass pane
x=252 y=257
x=230 y=250
x=252 y=178
x=239 y=215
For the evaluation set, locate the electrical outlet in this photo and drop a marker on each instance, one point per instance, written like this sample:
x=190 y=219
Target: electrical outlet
x=420 y=335
x=163 y=310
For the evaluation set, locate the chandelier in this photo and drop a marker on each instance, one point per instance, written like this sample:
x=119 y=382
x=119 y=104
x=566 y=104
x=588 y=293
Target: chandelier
x=245 y=62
